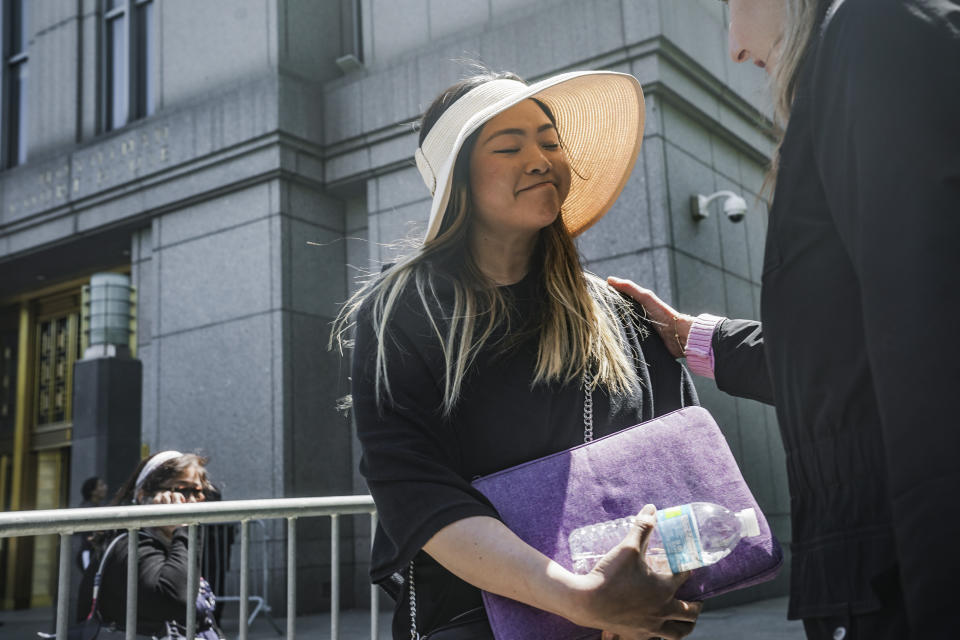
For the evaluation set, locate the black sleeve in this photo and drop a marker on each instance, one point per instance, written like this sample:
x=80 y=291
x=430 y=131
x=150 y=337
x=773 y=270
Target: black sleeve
x=410 y=457
x=740 y=365
x=887 y=98
x=162 y=590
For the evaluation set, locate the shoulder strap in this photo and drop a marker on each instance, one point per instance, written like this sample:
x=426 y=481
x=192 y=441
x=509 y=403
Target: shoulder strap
x=99 y=575
x=106 y=554
x=414 y=634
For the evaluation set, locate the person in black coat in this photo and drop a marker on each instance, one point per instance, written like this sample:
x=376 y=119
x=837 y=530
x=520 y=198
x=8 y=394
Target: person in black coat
x=168 y=477
x=860 y=287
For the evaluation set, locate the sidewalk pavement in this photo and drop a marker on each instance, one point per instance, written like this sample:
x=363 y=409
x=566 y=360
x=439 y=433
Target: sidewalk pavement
x=763 y=620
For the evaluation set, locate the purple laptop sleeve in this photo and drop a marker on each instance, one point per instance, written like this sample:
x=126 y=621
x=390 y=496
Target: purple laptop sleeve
x=677 y=458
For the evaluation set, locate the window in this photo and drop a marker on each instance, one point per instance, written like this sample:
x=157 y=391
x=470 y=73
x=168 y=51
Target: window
x=14 y=73
x=128 y=62
x=351 y=33
x=352 y=28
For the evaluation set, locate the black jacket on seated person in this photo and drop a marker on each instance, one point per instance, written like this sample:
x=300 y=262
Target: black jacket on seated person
x=161 y=589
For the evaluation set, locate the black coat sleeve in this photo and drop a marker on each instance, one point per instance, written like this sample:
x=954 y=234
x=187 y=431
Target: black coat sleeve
x=740 y=366
x=163 y=578
x=886 y=91
x=162 y=585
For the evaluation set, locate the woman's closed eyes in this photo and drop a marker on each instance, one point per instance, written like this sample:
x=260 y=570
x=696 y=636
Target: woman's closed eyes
x=549 y=146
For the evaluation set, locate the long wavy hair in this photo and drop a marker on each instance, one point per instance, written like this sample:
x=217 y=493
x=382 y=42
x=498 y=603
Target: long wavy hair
x=801 y=18
x=578 y=330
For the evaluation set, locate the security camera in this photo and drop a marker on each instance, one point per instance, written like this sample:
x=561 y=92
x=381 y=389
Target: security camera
x=734 y=206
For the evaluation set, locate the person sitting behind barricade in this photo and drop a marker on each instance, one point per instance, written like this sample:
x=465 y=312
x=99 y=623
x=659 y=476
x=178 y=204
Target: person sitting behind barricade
x=94 y=492
x=168 y=477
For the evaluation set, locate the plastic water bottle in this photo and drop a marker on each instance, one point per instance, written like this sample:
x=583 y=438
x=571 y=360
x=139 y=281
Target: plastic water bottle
x=685 y=537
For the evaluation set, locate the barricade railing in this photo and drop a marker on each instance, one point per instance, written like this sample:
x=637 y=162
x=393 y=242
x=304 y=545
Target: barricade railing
x=66 y=522
x=260 y=599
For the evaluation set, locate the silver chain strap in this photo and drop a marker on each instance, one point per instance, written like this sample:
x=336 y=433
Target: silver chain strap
x=588 y=386
x=413 y=604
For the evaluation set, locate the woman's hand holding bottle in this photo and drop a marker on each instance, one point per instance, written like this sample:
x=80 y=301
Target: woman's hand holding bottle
x=631 y=601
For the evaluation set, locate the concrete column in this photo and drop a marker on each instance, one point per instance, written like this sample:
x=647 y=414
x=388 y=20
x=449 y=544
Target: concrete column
x=106 y=433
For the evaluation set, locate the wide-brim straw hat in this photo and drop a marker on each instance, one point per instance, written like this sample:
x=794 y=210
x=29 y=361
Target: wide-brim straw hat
x=600 y=118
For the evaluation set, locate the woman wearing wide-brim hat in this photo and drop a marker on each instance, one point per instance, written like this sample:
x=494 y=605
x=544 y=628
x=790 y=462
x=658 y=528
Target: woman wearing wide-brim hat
x=474 y=353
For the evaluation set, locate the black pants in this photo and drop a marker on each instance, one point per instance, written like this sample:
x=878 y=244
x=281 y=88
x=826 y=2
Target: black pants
x=887 y=623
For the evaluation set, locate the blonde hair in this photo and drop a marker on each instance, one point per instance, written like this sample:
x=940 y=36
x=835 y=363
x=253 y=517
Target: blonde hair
x=579 y=332
x=799 y=25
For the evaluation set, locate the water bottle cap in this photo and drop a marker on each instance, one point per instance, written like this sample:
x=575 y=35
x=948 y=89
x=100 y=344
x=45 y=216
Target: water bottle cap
x=749 y=525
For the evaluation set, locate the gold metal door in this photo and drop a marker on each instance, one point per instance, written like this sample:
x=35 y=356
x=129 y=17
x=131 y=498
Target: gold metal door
x=57 y=347
x=41 y=337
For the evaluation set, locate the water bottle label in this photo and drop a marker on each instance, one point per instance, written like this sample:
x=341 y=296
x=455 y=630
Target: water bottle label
x=681 y=540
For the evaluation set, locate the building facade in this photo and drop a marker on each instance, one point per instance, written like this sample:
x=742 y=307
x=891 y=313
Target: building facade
x=245 y=160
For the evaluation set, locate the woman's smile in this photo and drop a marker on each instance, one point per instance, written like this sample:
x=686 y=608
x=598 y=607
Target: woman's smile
x=538 y=186
x=519 y=175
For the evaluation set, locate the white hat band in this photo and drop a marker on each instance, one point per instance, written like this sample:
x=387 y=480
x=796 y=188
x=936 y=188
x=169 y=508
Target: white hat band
x=152 y=465
x=599 y=116
x=472 y=105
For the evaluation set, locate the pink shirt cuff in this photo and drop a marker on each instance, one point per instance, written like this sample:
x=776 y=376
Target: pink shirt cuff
x=699 y=351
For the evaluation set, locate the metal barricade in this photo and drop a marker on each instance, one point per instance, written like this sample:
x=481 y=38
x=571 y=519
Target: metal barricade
x=260 y=598
x=66 y=522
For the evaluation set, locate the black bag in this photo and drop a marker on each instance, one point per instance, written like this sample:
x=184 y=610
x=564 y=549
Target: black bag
x=469 y=625
x=93 y=629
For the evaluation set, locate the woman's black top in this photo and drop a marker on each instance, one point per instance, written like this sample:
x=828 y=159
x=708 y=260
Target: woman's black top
x=861 y=286
x=419 y=464
x=161 y=589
